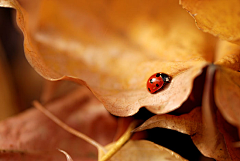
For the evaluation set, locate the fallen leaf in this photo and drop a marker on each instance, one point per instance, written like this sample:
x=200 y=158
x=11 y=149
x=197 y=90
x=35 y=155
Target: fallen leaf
x=210 y=132
x=193 y=125
x=220 y=18
x=143 y=150
x=227 y=94
x=191 y=122
x=228 y=55
x=113 y=48
x=13 y=155
x=227 y=82
x=212 y=143
x=33 y=136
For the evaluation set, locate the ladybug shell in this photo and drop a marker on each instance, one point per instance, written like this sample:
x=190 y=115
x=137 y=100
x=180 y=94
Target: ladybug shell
x=157 y=82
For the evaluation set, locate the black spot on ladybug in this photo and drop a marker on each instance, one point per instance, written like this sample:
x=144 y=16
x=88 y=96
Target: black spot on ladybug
x=149 y=89
x=151 y=81
x=157 y=85
x=158 y=75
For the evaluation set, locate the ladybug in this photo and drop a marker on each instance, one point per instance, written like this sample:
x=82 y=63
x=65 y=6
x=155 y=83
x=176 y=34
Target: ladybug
x=157 y=81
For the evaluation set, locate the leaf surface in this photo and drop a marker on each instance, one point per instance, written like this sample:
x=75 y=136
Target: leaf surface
x=33 y=136
x=218 y=147
x=227 y=94
x=220 y=18
x=145 y=150
x=113 y=48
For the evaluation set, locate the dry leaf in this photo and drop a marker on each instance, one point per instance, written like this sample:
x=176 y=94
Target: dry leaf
x=220 y=18
x=227 y=82
x=143 y=150
x=227 y=94
x=113 y=48
x=193 y=125
x=210 y=132
x=33 y=136
x=135 y=43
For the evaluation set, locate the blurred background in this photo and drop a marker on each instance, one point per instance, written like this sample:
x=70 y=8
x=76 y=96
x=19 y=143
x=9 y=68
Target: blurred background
x=19 y=83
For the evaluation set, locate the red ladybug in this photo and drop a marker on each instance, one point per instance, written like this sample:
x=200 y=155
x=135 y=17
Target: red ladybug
x=157 y=81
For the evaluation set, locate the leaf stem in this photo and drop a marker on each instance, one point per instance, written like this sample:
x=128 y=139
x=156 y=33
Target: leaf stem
x=124 y=138
x=66 y=127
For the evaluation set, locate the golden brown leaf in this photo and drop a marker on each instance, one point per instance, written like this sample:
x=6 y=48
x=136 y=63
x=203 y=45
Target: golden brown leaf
x=114 y=47
x=209 y=131
x=217 y=147
x=227 y=81
x=227 y=94
x=218 y=17
x=143 y=150
x=228 y=55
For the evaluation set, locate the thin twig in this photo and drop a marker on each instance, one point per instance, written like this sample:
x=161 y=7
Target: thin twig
x=66 y=127
x=66 y=154
x=124 y=138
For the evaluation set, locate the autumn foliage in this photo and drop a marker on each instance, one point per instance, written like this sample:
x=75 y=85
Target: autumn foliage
x=112 y=48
